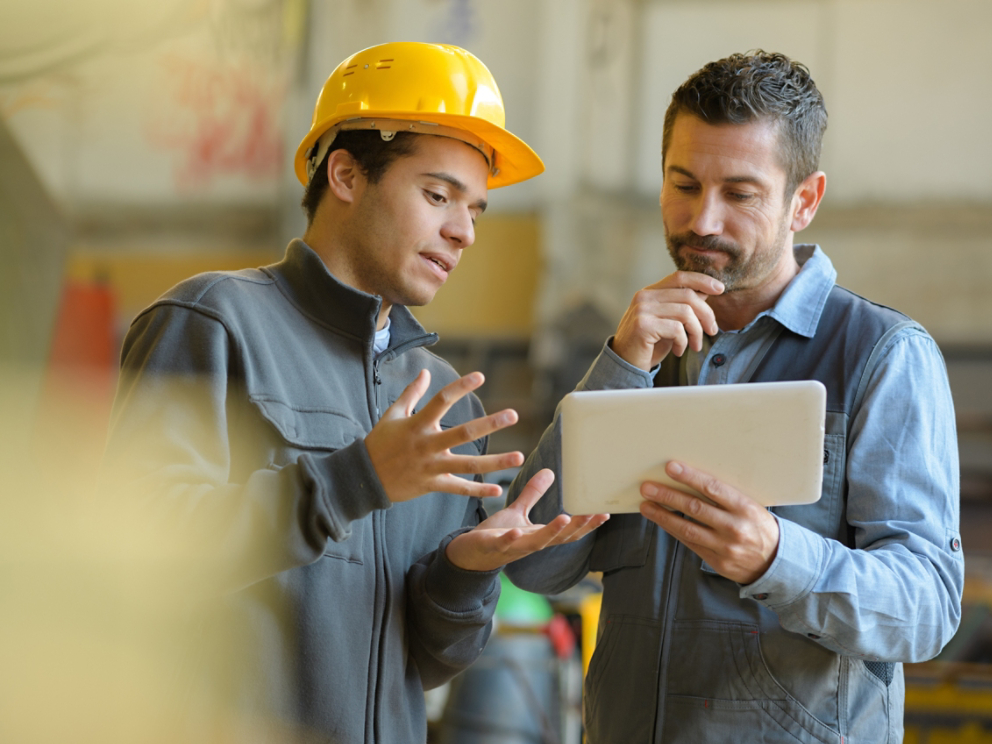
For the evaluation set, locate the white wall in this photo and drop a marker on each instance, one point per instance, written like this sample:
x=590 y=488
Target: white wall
x=908 y=86
x=911 y=101
x=680 y=37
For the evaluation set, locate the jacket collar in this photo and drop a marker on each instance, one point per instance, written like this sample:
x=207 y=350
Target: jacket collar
x=305 y=281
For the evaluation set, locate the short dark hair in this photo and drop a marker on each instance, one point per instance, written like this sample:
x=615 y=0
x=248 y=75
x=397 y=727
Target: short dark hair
x=750 y=87
x=373 y=154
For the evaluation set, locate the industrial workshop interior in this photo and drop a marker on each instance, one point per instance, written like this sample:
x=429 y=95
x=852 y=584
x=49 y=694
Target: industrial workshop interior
x=143 y=143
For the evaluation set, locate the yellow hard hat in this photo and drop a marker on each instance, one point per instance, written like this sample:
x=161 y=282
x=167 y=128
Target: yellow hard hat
x=423 y=88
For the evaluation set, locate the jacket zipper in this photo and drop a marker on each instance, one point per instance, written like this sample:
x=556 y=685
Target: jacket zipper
x=378 y=530
x=376 y=383
x=671 y=599
x=392 y=353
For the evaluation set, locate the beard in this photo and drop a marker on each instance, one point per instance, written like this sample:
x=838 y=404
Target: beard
x=740 y=271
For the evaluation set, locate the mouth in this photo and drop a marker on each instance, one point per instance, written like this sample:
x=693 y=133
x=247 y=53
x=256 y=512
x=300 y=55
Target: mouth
x=440 y=263
x=703 y=246
x=709 y=249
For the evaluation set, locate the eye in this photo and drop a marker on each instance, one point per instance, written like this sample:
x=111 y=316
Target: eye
x=684 y=188
x=435 y=197
x=741 y=196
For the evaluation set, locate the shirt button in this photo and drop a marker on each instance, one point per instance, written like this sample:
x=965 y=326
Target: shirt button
x=826 y=457
x=955 y=545
x=761 y=596
x=719 y=360
x=814 y=636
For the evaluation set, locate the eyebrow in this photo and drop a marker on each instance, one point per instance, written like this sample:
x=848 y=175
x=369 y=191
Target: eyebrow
x=460 y=187
x=730 y=179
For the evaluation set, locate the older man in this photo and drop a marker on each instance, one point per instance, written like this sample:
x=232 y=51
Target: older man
x=723 y=620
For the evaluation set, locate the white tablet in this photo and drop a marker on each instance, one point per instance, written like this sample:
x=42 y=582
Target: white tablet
x=766 y=439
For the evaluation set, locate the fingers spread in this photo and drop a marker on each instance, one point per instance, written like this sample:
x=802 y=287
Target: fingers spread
x=411 y=395
x=476 y=428
x=449 y=483
x=450 y=394
x=578 y=527
x=478 y=464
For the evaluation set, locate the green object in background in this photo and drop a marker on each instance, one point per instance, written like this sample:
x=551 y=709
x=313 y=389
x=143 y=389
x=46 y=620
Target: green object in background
x=519 y=607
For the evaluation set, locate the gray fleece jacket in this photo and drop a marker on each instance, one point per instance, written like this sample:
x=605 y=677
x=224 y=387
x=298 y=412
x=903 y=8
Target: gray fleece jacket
x=239 y=428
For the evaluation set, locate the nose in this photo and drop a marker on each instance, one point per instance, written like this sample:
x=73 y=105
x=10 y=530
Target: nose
x=707 y=218
x=459 y=229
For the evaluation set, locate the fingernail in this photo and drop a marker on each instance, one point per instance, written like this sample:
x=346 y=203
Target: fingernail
x=674 y=468
x=649 y=489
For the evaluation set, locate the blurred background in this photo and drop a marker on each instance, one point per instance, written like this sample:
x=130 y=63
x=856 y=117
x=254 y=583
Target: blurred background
x=143 y=142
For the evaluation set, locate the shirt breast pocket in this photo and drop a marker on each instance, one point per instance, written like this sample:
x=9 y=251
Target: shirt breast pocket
x=827 y=515
x=317 y=430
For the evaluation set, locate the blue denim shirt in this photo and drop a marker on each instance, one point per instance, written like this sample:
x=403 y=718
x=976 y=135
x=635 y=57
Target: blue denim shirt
x=823 y=611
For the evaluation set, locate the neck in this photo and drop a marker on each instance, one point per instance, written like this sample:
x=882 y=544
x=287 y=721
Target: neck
x=383 y=315
x=322 y=241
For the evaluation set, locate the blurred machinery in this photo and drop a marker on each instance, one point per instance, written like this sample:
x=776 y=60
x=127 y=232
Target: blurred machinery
x=526 y=688
x=949 y=699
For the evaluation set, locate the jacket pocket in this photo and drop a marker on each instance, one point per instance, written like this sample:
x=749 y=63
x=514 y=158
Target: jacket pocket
x=719 y=686
x=623 y=542
x=309 y=428
x=866 y=698
x=319 y=430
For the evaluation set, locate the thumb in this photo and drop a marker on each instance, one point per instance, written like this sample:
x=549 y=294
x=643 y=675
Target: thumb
x=534 y=490
x=411 y=395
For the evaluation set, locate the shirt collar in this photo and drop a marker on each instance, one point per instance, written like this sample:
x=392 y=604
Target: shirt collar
x=799 y=307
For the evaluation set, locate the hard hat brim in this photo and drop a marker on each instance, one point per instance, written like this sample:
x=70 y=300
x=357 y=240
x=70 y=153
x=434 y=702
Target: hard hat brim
x=515 y=160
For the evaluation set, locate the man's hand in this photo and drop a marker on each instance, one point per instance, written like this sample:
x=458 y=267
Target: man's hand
x=509 y=534
x=669 y=316
x=735 y=534
x=411 y=453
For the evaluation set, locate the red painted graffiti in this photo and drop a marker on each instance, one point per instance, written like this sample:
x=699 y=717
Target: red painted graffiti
x=223 y=119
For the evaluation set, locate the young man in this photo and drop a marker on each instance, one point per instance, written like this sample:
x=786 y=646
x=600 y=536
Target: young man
x=288 y=431
x=726 y=621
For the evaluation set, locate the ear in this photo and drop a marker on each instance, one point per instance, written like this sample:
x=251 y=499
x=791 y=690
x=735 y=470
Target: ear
x=344 y=176
x=807 y=199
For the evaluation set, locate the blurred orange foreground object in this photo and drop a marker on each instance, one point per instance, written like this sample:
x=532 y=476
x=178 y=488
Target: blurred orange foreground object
x=79 y=382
